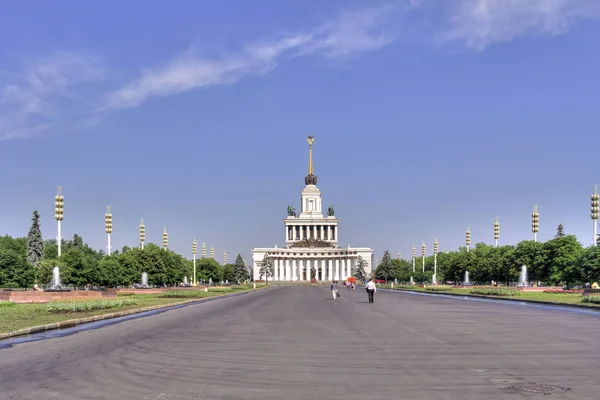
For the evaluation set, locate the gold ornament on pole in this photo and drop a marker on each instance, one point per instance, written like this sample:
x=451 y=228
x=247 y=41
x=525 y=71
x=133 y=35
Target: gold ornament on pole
x=142 y=232
x=59 y=215
x=595 y=203
x=165 y=238
x=468 y=238
x=496 y=231
x=310 y=179
x=212 y=252
x=108 y=226
x=224 y=258
x=535 y=222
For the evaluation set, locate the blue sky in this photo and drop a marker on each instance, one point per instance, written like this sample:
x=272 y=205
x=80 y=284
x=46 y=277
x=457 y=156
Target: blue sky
x=428 y=117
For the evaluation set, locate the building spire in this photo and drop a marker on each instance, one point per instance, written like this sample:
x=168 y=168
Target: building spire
x=310 y=179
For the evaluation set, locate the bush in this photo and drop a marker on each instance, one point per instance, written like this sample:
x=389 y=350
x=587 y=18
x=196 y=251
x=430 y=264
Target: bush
x=88 y=305
x=125 y=294
x=183 y=294
x=6 y=303
x=495 y=292
x=220 y=289
x=591 y=299
x=438 y=288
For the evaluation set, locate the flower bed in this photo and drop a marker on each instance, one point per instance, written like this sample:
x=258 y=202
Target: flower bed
x=591 y=299
x=495 y=292
x=560 y=291
x=125 y=294
x=7 y=303
x=87 y=305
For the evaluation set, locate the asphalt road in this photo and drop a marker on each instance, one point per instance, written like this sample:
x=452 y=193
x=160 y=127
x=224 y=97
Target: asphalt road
x=298 y=343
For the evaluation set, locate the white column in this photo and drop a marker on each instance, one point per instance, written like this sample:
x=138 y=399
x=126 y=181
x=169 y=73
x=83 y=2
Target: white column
x=328 y=232
x=343 y=275
x=323 y=270
x=276 y=268
x=314 y=231
x=350 y=266
x=293 y=275
x=336 y=275
x=330 y=270
x=300 y=233
x=287 y=269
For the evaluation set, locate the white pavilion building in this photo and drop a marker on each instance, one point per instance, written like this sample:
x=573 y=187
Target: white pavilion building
x=311 y=242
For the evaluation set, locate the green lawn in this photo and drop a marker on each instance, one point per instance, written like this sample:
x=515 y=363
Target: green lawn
x=22 y=316
x=566 y=298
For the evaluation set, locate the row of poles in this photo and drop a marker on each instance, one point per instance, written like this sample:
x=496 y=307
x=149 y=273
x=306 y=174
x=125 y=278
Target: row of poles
x=535 y=227
x=59 y=215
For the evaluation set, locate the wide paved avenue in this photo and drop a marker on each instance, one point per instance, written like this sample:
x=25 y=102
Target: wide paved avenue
x=298 y=343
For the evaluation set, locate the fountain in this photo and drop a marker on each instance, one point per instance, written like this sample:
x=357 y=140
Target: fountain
x=523 y=280
x=56 y=284
x=209 y=281
x=185 y=281
x=467 y=281
x=227 y=281
x=144 y=284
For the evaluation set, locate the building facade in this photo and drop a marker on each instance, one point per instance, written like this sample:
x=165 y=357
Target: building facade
x=311 y=249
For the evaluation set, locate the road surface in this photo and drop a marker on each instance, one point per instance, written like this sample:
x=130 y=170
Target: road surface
x=298 y=343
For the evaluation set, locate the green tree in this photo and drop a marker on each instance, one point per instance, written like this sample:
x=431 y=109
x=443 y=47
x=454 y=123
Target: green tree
x=386 y=268
x=266 y=268
x=229 y=272
x=359 y=269
x=240 y=271
x=209 y=269
x=35 y=243
x=589 y=265
x=560 y=231
x=14 y=270
x=562 y=256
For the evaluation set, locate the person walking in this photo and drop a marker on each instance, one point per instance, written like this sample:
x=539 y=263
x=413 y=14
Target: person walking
x=334 y=289
x=371 y=290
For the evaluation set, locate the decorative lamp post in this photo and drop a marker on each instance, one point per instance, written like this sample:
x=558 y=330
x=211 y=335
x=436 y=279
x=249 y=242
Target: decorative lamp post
x=194 y=250
x=203 y=250
x=108 y=226
x=468 y=238
x=535 y=222
x=165 y=239
x=59 y=214
x=435 y=253
x=142 y=233
x=224 y=258
x=212 y=252
x=399 y=255
x=423 y=255
x=594 y=210
x=496 y=231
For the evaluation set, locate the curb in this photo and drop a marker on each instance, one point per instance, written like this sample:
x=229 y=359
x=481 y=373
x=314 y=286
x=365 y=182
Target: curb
x=478 y=296
x=78 y=321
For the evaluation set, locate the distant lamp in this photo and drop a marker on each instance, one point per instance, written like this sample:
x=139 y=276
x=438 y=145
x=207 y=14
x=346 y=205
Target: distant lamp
x=496 y=231
x=224 y=258
x=59 y=215
x=165 y=239
x=535 y=222
x=594 y=210
x=142 y=233
x=203 y=250
x=435 y=253
x=468 y=238
x=108 y=226
x=194 y=250
x=423 y=255
x=212 y=252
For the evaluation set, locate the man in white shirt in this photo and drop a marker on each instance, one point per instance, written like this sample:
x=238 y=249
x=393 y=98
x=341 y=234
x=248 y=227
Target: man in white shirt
x=371 y=290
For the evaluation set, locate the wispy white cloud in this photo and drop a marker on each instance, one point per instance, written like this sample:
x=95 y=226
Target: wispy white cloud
x=36 y=98
x=350 y=34
x=479 y=23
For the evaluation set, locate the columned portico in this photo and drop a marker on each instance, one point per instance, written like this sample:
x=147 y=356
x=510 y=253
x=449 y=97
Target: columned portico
x=311 y=242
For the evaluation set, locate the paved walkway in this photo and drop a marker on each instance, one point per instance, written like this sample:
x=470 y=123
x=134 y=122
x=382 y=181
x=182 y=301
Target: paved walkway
x=298 y=343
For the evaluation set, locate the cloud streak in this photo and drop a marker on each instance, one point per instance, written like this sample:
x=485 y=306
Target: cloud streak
x=38 y=97
x=480 y=23
x=350 y=34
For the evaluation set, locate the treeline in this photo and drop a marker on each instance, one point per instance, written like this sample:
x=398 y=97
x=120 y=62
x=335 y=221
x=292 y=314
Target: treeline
x=560 y=261
x=25 y=261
